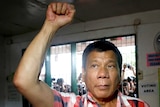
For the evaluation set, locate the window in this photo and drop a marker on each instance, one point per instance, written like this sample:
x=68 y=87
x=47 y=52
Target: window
x=127 y=47
x=61 y=64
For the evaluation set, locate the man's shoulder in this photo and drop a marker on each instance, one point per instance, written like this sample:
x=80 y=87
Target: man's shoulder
x=131 y=101
x=66 y=95
x=66 y=99
x=136 y=101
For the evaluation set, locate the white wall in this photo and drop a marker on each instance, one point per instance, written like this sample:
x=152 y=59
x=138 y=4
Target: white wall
x=145 y=39
x=122 y=25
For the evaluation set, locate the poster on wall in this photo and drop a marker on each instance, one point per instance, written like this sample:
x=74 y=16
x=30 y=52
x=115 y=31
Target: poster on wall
x=153 y=59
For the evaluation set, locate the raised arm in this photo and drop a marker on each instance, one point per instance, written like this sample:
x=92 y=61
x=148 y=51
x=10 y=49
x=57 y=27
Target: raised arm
x=26 y=76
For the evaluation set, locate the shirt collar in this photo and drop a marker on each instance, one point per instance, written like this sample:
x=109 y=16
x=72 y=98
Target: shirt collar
x=121 y=100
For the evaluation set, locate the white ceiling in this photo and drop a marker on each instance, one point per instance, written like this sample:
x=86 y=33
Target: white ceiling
x=21 y=16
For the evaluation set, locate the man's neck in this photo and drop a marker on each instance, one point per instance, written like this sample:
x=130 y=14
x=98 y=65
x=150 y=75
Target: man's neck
x=108 y=102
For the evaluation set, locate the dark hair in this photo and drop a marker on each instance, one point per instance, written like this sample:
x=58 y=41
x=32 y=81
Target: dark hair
x=101 y=46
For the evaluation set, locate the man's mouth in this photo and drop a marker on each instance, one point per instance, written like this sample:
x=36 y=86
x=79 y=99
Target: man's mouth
x=102 y=87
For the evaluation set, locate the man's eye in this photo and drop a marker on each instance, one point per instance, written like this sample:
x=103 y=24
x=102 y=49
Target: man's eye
x=94 y=65
x=111 y=66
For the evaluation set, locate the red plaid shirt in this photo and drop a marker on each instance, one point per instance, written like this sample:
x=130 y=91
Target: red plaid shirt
x=71 y=100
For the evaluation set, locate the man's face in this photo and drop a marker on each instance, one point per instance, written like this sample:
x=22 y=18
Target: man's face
x=101 y=74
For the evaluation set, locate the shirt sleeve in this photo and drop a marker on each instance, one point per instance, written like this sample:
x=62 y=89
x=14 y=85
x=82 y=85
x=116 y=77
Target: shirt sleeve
x=62 y=99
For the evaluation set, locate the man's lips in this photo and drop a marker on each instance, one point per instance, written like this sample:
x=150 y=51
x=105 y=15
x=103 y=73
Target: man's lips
x=102 y=87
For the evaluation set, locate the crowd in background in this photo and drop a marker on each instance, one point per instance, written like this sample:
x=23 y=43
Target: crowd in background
x=128 y=86
x=61 y=87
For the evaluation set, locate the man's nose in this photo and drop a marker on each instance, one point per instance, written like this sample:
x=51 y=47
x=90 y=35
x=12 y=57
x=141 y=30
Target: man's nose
x=103 y=73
